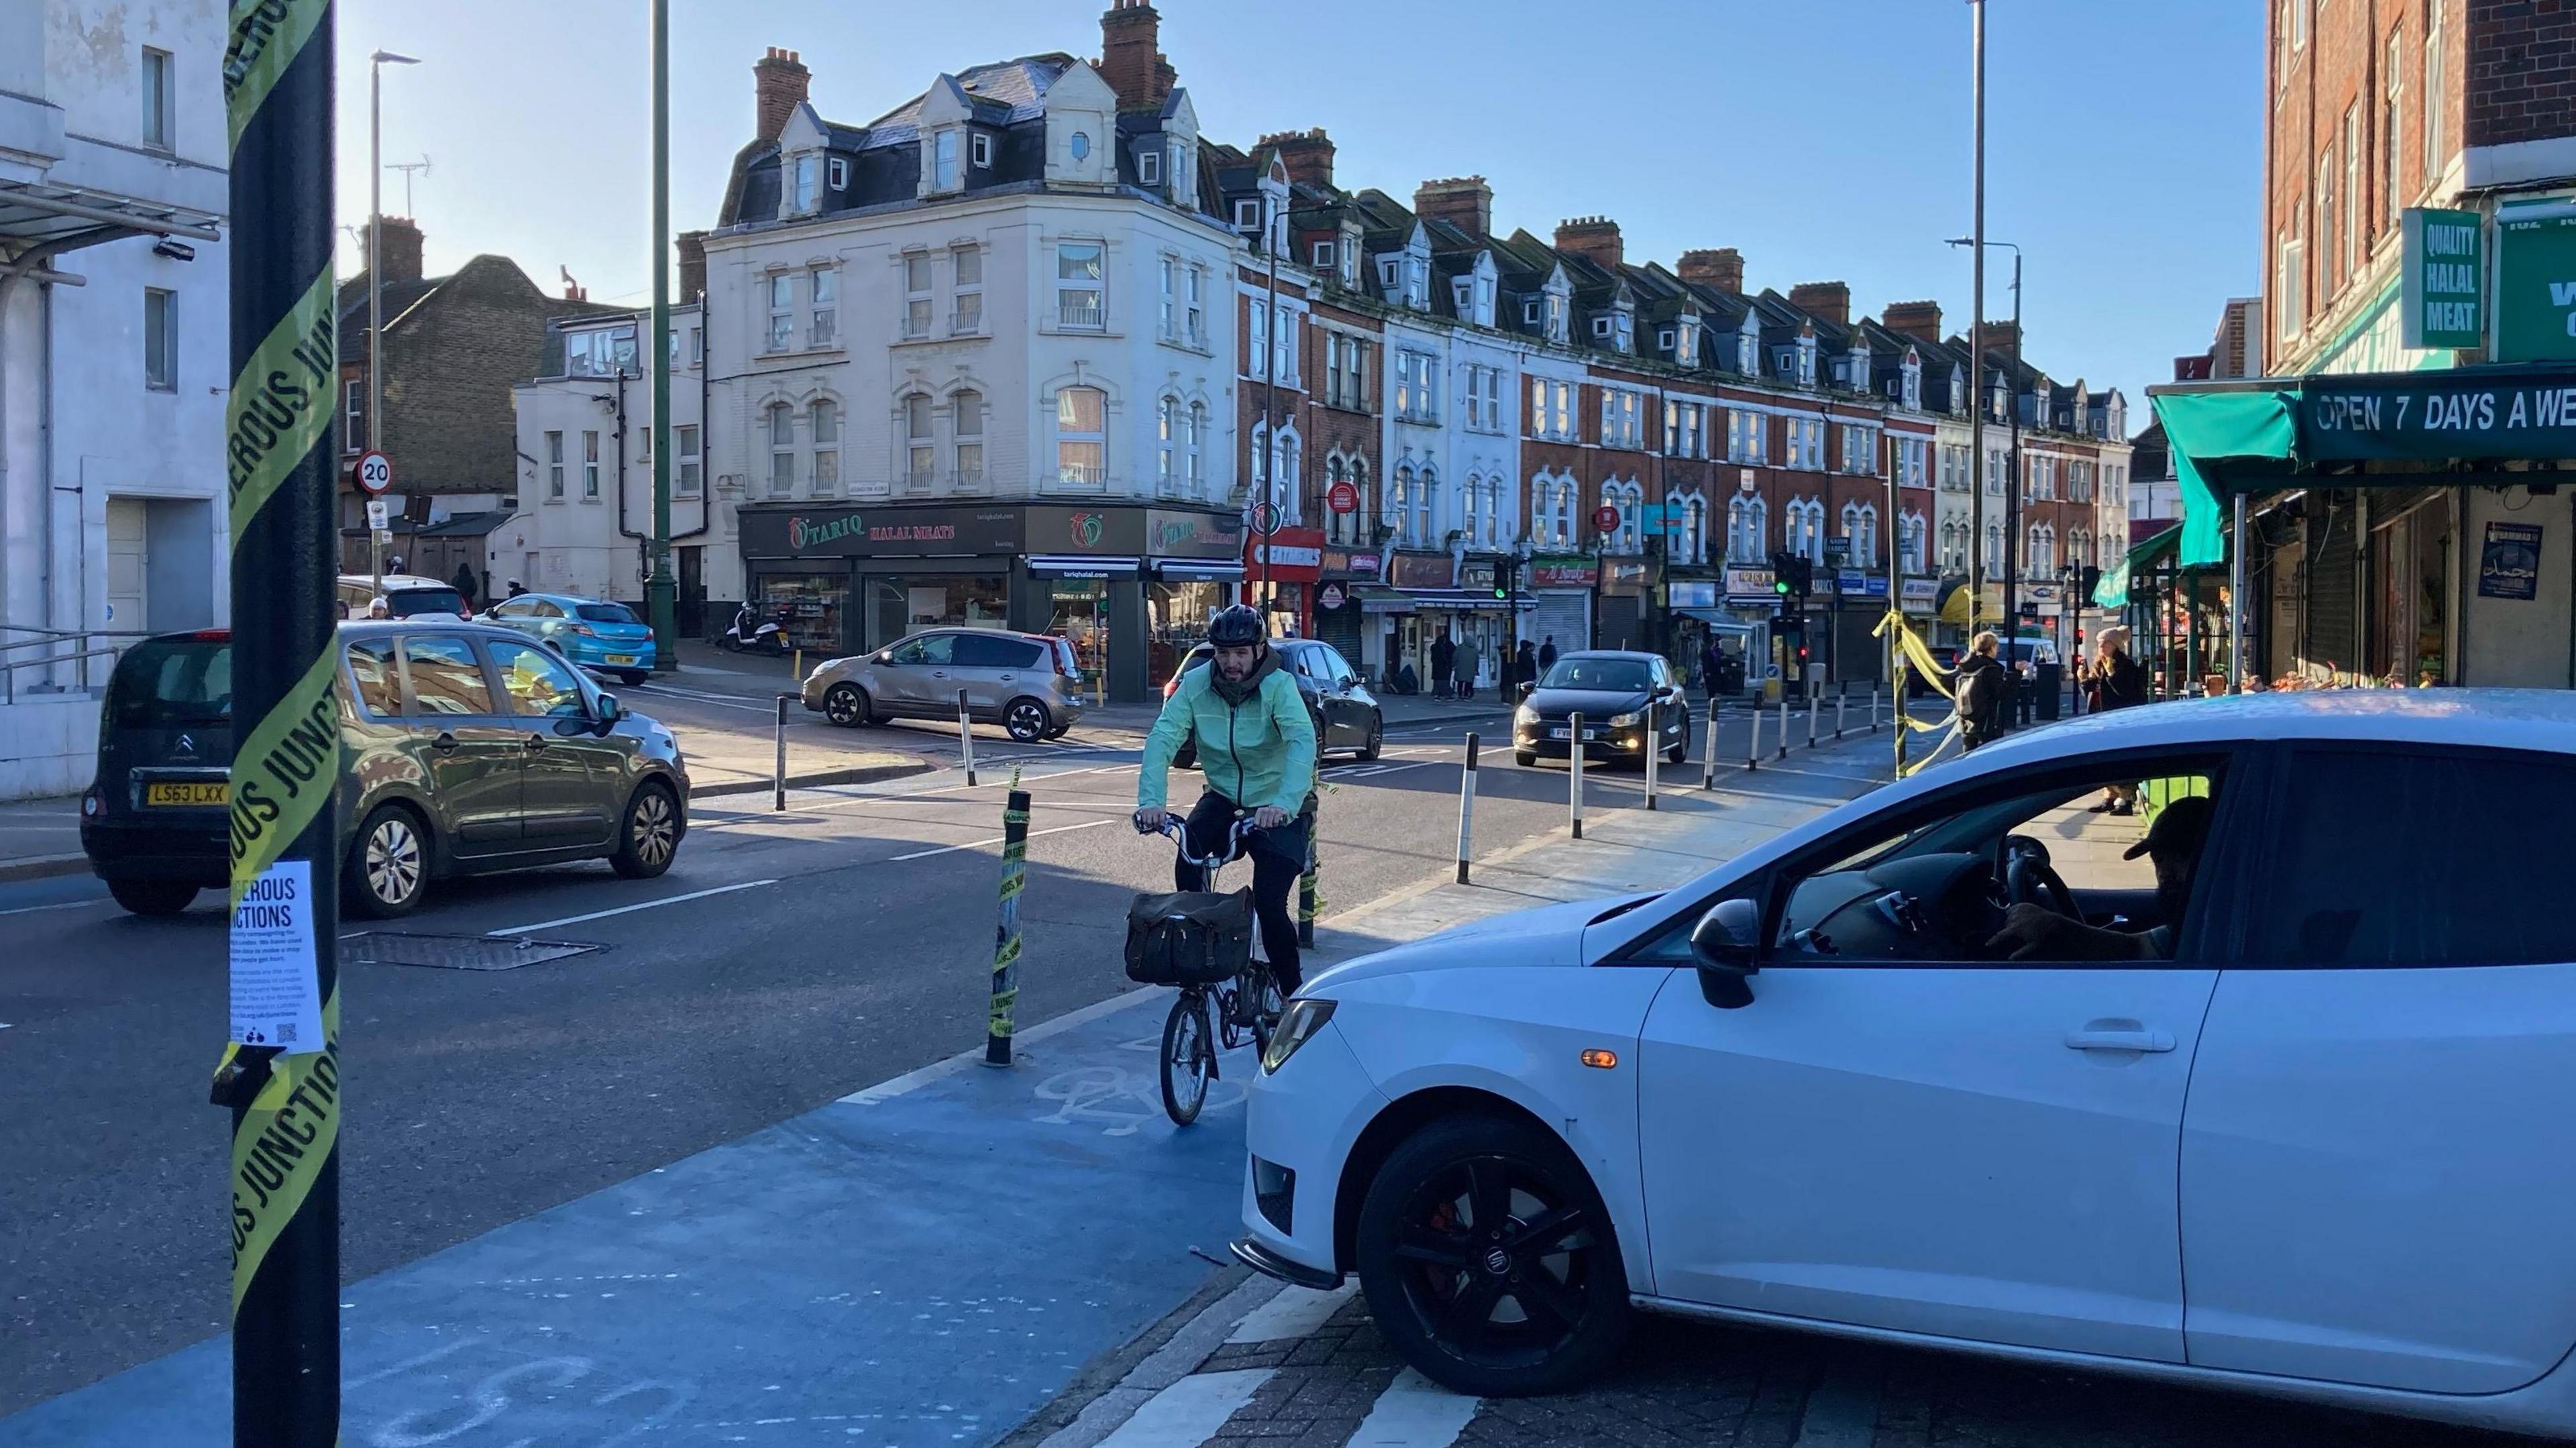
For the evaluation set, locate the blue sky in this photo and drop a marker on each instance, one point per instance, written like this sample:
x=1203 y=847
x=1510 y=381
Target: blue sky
x=1827 y=139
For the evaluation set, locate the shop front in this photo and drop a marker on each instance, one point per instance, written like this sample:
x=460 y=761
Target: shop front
x=851 y=578
x=1433 y=595
x=1559 y=591
x=2395 y=530
x=1281 y=574
x=1625 y=605
x=1339 y=618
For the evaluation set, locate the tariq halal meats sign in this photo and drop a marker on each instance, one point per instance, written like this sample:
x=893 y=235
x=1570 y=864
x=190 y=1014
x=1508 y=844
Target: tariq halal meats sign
x=2439 y=415
x=879 y=532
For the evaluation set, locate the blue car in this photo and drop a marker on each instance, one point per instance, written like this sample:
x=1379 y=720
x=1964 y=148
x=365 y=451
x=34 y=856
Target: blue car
x=599 y=635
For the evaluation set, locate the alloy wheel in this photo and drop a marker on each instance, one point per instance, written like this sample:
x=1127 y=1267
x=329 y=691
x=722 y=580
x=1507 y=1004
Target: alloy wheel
x=393 y=861
x=652 y=828
x=1026 y=721
x=1496 y=1262
x=841 y=706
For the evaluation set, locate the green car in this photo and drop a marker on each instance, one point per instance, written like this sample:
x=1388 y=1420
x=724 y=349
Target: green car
x=465 y=749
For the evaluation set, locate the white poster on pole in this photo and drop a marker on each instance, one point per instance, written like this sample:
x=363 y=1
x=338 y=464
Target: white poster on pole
x=276 y=991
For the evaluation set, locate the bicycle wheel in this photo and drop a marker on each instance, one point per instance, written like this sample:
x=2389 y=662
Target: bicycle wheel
x=1189 y=1058
x=1263 y=1017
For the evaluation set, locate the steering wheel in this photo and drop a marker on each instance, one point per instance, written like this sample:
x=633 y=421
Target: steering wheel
x=2029 y=879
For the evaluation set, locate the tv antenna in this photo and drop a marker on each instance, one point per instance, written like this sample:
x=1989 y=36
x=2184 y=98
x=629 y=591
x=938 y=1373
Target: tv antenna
x=407 y=168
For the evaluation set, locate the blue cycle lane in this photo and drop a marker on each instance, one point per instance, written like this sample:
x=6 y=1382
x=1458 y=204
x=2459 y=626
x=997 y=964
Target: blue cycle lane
x=926 y=1262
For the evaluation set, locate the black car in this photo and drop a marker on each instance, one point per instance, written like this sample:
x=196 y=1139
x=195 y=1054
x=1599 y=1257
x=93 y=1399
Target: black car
x=1346 y=714
x=1612 y=689
x=465 y=749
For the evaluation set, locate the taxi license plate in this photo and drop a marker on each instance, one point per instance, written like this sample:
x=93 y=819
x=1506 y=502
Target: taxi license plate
x=621 y=658
x=214 y=792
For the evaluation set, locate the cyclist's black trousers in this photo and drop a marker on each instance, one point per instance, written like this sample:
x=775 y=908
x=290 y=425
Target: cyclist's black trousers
x=1278 y=858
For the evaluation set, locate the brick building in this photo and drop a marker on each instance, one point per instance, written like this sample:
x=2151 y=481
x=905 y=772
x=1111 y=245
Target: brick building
x=453 y=347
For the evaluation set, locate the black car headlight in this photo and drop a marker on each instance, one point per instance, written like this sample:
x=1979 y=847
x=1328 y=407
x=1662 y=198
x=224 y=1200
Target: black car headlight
x=1297 y=1025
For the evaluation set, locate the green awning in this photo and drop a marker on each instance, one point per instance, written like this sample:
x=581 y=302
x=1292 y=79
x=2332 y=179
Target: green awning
x=2231 y=441
x=2113 y=590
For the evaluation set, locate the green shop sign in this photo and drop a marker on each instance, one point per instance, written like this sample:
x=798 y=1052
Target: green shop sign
x=2445 y=278
x=2536 y=284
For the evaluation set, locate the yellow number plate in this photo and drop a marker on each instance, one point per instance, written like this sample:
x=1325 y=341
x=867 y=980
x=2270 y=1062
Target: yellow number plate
x=216 y=792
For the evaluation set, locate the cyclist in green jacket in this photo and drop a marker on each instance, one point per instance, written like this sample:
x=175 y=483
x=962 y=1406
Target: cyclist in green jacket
x=1256 y=749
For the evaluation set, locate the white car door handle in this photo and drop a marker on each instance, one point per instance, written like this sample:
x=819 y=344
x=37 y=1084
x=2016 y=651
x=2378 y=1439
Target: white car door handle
x=2136 y=1040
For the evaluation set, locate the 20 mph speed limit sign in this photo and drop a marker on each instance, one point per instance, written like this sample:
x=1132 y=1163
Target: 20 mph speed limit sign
x=375 y=471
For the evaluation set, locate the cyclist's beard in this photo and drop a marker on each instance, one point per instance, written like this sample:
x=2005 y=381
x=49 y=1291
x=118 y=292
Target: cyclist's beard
x=1235 y=691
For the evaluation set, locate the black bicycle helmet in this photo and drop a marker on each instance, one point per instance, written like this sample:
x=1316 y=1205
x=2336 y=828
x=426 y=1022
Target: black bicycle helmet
x=1237 y=626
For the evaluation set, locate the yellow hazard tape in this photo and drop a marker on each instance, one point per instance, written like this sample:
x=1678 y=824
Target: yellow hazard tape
x=280 y=408
x=267 y=35
x=280 y=1146
x=285 y=772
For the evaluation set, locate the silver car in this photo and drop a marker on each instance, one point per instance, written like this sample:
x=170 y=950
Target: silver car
x=1027 y=683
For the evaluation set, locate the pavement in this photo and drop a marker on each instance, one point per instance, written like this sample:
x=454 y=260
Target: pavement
x=40 y=837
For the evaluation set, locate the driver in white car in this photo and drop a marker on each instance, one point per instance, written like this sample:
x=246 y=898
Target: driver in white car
x=2173 y=845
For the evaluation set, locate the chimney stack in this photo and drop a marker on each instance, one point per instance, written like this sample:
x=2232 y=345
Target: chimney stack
x=1131 y=56
x=1721 y=270
x=778 y=85
x=1918 y=320
x=399 y=251
x=1308 y=155
x=693 y=265
x=1829 y=300
x=1465 y=202
x=2003 y=337
x=1594 y=238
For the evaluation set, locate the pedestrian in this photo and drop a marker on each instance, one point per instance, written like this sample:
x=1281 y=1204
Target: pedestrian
x=2115 y=682
x=1444 y=657
x=1547 y=653
x=1527 y=671
x=1980 y=696
x=1467 y=662
x=464 y=581
x=394 y=564
x=1712 y=659
x=517 y=588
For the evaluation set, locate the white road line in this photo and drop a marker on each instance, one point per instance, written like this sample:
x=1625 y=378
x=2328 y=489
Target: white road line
x=1293 y=1313
x=1189 y=1412
x=65 y=905
x=1415 y=1412
x=995 y=840
x=625 y=909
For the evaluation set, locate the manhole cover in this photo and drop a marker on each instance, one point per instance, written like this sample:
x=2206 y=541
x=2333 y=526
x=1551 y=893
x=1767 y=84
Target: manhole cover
x=454 y=952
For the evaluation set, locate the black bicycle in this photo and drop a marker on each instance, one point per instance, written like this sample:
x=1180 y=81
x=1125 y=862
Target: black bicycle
x=1209 y=946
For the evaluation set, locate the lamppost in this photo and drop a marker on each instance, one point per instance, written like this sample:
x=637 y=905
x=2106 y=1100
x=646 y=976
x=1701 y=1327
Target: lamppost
x=661 y=591
x=2012 y=471
x=376 y=64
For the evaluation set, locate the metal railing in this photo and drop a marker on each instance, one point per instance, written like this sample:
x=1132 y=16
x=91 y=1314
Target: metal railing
x=53 y=641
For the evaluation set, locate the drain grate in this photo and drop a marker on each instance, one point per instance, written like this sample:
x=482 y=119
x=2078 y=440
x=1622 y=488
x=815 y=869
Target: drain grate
x=455 y=952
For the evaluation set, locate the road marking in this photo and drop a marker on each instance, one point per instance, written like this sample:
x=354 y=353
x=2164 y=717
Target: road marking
x=1415 y=1412
x=1189 y=1412
x=1293 y=1313
x=1374 y=770
x=65 y=905
x=995 y=840
x=625 y=909
x=1842 y=1411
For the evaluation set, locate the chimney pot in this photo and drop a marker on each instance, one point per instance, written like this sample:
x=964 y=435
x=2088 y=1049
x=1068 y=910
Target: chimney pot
x=1308 y=155
x=1464 y=202
x=1918 y=320
x=1131 y=57
x=1720 y=270
x=1594 y=238
x=1829 y=300
x=399 y=250
x=779 y=82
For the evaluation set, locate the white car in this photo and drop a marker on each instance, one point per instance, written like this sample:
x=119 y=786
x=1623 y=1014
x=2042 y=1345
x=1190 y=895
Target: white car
x=2294 y=1111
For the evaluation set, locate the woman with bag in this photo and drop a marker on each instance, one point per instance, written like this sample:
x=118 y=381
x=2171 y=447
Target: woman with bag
x=2115 y=682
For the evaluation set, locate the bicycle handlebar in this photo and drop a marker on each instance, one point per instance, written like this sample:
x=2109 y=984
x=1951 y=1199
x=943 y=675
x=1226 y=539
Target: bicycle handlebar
x=1172 y=826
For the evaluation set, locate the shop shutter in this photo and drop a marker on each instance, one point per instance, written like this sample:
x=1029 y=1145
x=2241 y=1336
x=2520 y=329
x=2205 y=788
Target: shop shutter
x=1340 y=627
x=2334 y=584
x=1567 y=615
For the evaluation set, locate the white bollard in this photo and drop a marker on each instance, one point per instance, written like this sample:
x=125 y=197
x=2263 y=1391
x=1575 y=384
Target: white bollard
x=1875 y=688
x=1814 y=702
x=1574 y=771
x=1784 y=724
x=1708 y=752
x=965 y=736
x=1753 y=742
x=1654 y=748
x=1842 y=696
x=778 y=777
x=1466 y=807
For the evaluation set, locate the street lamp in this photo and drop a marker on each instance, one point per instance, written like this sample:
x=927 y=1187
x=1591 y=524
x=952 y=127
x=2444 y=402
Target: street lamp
x=2012 y=472
x=376 y=64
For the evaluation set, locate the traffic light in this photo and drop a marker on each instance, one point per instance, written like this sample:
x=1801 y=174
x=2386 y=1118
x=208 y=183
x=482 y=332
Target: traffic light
x=2079 y=638
x=1506 y=578
x=2092 y=580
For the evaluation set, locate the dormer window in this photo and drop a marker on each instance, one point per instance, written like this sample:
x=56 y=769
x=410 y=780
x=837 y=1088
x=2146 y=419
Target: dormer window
x=1323 y=255
x=1149 y=167
x=1807 y=361
x=1417 y=283
x=980 y=149
x=1080 y=145
x=1484 y=302
x=1666 y=340
x=1462 y=295
x=943 y=161
x=1911 y=385
x=839 y=172
x=1247 y=215
x=801 y=190
x=1560 y=317
x=1748 y=352
x=1686 y=344
x=1601 y=327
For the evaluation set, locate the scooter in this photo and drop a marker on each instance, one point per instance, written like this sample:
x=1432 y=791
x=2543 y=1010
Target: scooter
x=749 y=633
